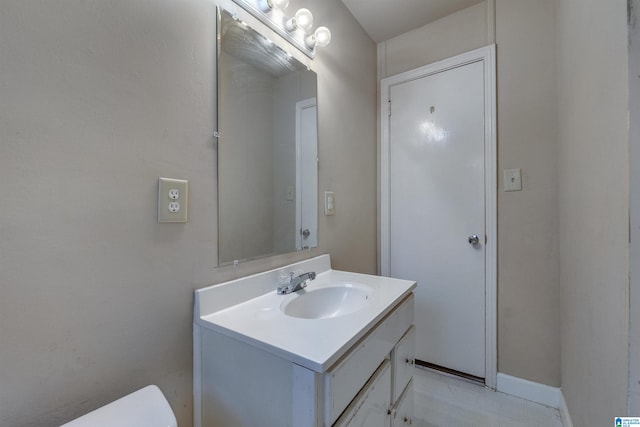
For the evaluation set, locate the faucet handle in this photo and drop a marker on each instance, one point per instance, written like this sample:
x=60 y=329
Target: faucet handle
x=283 y=278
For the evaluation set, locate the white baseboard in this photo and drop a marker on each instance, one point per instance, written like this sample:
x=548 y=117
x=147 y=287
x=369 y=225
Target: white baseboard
x=529 y=390
x=535 y=392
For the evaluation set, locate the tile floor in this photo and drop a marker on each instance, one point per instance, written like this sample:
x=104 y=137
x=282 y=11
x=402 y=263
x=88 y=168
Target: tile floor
x=445 y=401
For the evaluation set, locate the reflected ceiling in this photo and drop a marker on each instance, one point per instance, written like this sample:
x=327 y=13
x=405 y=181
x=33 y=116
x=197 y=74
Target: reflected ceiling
x=254 y=49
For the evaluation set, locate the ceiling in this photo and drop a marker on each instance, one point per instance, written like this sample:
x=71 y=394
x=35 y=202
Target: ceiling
x=385 y=19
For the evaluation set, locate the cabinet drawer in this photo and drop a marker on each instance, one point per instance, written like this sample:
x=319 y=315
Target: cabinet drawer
x=403 y=361
x=349 y=375
x=371 y=406
x=402 y=414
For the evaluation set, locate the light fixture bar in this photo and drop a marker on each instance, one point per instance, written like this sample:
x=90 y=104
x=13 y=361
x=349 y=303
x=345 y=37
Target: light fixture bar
x=296 y=37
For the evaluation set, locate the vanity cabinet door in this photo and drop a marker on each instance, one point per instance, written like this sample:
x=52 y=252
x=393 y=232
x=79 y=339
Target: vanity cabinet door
x=402 y=414
x=371 y=406
x=343 y=381
x=403 y=357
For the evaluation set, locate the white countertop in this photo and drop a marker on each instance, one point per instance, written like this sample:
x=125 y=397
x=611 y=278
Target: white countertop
x=313 y=343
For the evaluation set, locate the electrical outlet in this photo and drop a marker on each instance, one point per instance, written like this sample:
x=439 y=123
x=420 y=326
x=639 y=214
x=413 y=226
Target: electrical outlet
x=172 y=200
x=174 y=207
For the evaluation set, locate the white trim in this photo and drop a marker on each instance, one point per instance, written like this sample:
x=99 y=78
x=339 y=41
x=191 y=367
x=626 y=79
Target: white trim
x=491 y=21
x=491 y=216
x=197 y=376
x=529 y=390
x=487 y=56
x=306 y=397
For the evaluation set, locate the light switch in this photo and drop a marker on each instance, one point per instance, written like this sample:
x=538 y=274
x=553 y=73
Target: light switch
x=329 y=203
x=512 y=180
x=172 y=200
x=291 y=193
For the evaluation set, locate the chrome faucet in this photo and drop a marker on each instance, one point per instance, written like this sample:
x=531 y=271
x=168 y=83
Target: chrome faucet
x=295 y=283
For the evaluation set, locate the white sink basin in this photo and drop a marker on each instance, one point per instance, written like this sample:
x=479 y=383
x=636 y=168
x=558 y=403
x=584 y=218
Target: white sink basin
x=328 y=301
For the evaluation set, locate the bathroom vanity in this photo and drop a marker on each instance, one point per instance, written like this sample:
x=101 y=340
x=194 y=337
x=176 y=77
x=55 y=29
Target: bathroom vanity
x=337 y=353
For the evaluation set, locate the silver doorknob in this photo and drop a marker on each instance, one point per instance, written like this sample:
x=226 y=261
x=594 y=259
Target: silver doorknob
x=474 y=239
x=305 y=233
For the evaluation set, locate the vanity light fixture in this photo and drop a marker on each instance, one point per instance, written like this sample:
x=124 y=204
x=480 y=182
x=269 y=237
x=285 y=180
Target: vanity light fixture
x=296 y=30
x=303 y=19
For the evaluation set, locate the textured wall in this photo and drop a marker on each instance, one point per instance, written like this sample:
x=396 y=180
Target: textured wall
x=634 y=192
x=457 y=33
x=97 y=100
x=528 y=292
x=528 y=334
x=594 y=208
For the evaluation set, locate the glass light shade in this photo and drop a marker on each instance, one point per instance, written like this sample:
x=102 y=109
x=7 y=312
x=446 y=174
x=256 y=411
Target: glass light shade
x=264 y=5
x=303 y=19
x=320 y=37
x=280 y=4
x=323 y=36
x=310 y=41
x=268 y=5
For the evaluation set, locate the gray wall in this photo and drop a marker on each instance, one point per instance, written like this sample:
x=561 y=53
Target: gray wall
x=97 y=100
x=563 y=289
x=634 y=192
x=528 y=268
x=528 y=295
x=593 y=208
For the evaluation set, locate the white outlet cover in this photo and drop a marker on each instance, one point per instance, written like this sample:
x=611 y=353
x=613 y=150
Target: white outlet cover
x=172 y=200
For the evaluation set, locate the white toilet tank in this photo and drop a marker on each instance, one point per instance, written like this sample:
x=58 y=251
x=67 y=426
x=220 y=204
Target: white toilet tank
x=146 y=407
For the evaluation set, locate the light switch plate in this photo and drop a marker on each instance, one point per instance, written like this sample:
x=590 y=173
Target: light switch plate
x=512 y=180
x=329 y=203
x=291 y=193
x=172 y=200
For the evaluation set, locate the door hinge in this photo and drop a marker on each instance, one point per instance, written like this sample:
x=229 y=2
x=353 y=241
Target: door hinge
x=389 y=108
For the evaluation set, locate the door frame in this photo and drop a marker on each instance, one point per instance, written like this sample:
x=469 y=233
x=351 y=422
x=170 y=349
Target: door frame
x=487 y=56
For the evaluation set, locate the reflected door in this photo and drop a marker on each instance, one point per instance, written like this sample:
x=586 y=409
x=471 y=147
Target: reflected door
x=306 y=174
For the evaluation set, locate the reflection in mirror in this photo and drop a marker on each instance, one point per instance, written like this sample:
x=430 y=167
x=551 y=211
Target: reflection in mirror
x=267 y=149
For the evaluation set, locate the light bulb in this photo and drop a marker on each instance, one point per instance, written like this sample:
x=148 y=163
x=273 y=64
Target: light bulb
x=280 y=4
x=303 y=19
x=320 y=37
x=323 y=36
x=269 y=5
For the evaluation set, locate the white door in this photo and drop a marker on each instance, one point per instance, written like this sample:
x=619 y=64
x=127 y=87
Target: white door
x=306 y=174
x=437 y=209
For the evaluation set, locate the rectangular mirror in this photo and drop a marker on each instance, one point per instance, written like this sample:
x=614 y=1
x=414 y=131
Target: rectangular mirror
x=267 y=146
